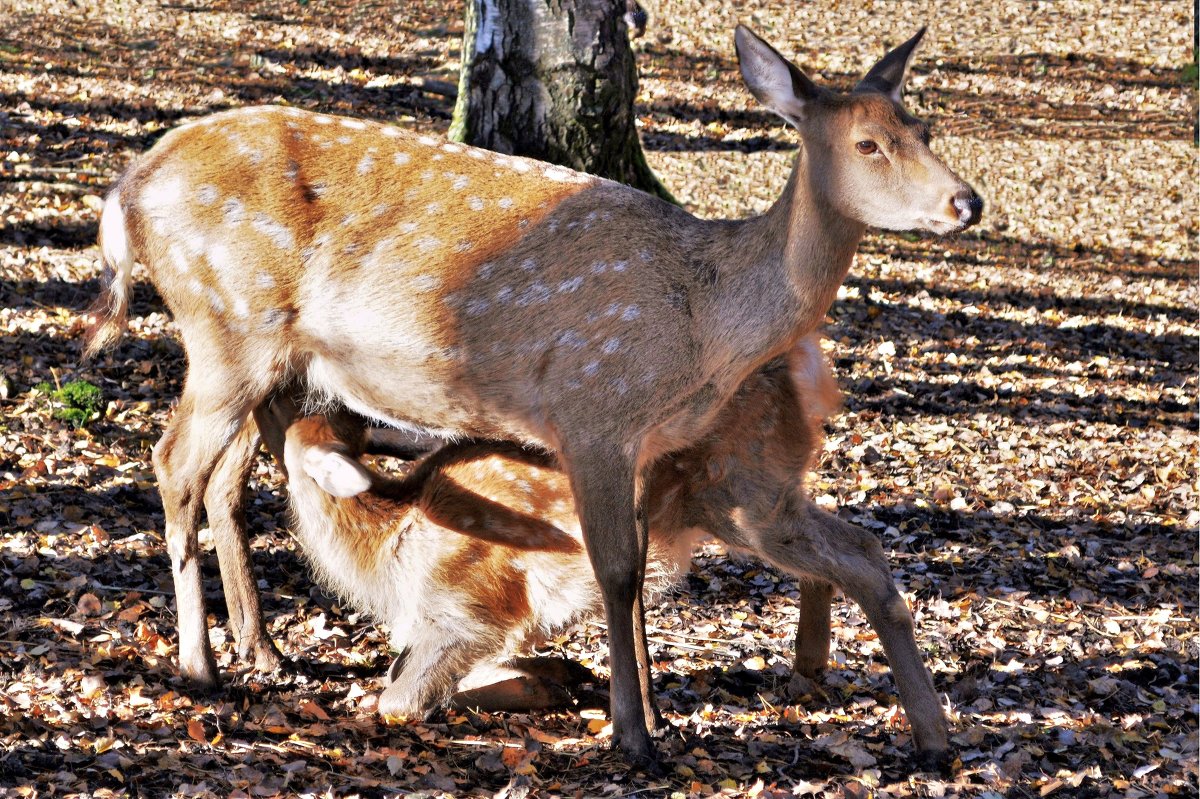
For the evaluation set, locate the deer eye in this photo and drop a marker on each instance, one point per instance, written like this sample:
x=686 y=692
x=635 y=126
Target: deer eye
x=867 y=147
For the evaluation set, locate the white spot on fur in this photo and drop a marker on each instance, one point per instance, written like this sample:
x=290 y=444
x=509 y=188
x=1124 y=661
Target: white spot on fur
x=354 y=124
x=451 y=147
x=620 y=385
x=599 y=267
x=365 y=165
x=401 y=159
x=611 y=345
x=389 y=131
x=433 y=208
x=505 y=203
x=572 y=339
x=409 y=227
x=344 y=139
x=161 y=194
x=630 y=313
x=179 y=258
x=380 y=209
x=504 y=294
x=216 y=302
x=424 y=283
x=460 y=183
x=558 y=174
x=619 y=266
x=571 y=284
x=264 y=280
x=206 y=194
x=529 y=265
x=241 y=308
x=537 y=293
x=591 y=368
x=234 y=210
x=475 y=204
x=428 y=243
x=321 y=119
x=279 y=234
x=428 y=141
x=485 y=269
x=477 y=306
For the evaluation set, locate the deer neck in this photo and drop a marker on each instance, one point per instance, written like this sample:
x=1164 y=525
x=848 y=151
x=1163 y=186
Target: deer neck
x=780 y=271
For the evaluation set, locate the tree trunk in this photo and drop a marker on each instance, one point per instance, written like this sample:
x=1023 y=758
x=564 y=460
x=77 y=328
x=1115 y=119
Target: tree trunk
x=553 y=80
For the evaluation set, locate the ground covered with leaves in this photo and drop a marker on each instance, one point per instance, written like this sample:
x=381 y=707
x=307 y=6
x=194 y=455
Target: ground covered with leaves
x=1020 y=424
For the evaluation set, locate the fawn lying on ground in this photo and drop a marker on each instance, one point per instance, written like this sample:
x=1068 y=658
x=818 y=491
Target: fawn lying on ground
x=477 y=555
x=430 y=285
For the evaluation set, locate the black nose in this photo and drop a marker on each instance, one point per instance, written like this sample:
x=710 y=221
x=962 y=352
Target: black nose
x=969 y=206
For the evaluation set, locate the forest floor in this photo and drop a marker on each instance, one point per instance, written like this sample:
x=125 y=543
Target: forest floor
x=1020 y=424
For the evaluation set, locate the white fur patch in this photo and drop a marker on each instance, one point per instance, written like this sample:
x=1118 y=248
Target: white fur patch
x=336 y=474
x=115 y=239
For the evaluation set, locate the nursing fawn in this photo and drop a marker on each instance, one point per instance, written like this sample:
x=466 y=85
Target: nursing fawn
x=477 y=554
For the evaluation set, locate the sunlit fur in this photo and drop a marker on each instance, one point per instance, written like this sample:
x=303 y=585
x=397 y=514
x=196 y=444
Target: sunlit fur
x=430 y=285
x=477 y=555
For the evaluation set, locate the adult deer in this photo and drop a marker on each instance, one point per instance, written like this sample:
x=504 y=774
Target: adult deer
x=476 y=555
x=426 y=284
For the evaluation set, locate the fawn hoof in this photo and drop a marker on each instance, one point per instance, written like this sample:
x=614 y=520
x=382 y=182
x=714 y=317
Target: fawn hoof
x=264 y=656
x=638 y=749
x=934 y=761
x=801 y=686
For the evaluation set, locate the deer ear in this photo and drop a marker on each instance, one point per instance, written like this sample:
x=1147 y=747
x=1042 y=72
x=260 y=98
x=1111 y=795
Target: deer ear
x=888 y=75
x=776 y=82
x=335 y=473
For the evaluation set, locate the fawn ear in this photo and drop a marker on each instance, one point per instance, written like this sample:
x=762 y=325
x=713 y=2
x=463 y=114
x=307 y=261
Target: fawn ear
x=335 y=473
x=888 y=75
x=776 y=82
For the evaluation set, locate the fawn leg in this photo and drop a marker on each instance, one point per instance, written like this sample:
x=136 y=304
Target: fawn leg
x=603 y=482
x=823 y=546
x=812 y=636
x=224 y=502
x=424 y=675
x=813 y=629
x=654 y=717
x=538 y=683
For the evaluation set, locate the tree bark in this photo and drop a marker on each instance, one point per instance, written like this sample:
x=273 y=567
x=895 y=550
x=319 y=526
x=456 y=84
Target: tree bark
x=553 y=80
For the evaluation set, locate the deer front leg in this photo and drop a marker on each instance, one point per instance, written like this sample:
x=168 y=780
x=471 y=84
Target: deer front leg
x=812 y=635
x=602 y=481
x=224 y=502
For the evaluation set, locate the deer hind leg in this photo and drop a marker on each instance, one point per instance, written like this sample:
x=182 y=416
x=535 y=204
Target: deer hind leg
x=812 y=635
x=603 y=482
x=225 y=504
x=209 y=416
x=824 y=546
